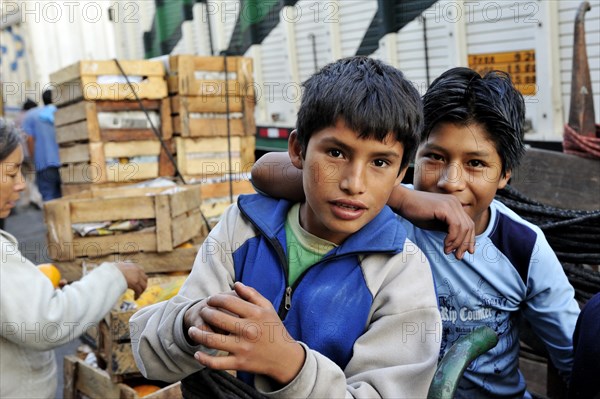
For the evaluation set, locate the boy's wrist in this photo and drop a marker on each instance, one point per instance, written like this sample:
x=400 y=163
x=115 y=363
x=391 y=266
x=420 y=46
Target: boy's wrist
x=286 y=371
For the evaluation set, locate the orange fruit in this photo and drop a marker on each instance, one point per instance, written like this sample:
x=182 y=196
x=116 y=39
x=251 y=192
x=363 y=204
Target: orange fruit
x=185 y=245
x=145 y=389
x=51 y=272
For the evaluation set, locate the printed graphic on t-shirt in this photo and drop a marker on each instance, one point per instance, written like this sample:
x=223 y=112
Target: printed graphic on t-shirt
x=463 y=311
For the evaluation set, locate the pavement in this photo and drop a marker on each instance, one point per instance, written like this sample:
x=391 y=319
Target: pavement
x=27 y=225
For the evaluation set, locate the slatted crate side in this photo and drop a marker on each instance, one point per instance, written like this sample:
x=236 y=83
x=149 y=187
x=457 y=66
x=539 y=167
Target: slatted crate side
x=169 y=232
x=178 y=260
x=207 y=116
x=85 y=121
x=81 y=81
x=117 y=354
x=222 y=189
x=182 y=76
x=86 y=162
x=206 y=157
x=83 y=380
x=76 y=188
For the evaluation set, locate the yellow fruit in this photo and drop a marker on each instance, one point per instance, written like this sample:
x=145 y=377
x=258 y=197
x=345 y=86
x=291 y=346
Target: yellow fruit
x=170 y=290
x=185 y=245
x=149 y=296
x=145 y=390
x=51 y=272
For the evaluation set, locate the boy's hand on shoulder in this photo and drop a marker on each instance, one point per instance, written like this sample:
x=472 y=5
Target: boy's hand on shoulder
x=254 y=336
x=441 y=212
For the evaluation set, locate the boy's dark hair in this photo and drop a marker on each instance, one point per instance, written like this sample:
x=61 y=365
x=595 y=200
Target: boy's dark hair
x=47 y=97
x=461 y=96
x=371 y=97
x=9 y=139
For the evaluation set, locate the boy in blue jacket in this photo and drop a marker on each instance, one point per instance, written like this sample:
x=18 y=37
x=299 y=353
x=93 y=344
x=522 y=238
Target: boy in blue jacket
x=471 y=141
x=303 y=299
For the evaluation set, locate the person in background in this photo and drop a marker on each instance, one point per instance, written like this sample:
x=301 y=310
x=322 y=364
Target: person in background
x=38 y=124
x=35 y=317
x=31 y=195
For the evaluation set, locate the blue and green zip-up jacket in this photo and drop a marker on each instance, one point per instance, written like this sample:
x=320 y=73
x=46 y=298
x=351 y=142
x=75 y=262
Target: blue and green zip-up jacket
x=366 y=314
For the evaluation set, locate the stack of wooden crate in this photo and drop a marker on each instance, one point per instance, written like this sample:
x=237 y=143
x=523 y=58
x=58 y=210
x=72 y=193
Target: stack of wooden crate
x=212 y=104
x=104 y=135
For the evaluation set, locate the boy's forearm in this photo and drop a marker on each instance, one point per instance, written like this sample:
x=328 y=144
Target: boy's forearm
x=399 y=194
x=273 y=174
x=433 y=211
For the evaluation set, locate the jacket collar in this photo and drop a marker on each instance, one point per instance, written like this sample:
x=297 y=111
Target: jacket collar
x=382 y=234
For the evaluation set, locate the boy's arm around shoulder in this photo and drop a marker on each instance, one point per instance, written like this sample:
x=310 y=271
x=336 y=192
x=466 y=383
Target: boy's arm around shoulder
x=433 y=211
x=158 y=339
x=397 y=354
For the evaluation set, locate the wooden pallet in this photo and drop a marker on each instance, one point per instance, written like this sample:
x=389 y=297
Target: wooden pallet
x=83 y=380
x=207 y=157
x=85 y=80
x=176 y=215
x=87 y=121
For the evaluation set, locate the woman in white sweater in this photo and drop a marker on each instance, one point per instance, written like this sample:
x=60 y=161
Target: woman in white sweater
x=34 y=317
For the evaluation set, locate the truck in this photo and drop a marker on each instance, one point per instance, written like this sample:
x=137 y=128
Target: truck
x=289 y=40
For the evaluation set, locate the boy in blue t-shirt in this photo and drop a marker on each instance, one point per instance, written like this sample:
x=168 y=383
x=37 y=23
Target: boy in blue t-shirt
x=471 y=142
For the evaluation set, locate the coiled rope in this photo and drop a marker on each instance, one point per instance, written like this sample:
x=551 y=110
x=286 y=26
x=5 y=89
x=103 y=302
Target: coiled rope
x=583 y=146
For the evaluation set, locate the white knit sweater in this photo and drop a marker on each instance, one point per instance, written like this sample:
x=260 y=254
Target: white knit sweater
x=35 y=318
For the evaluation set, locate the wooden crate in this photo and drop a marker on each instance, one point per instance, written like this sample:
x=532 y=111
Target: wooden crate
x=216 y=197
x=176 y=215
x=191 y=75
x=83 y=380
x=112 y=121
x=206 y=116
x=207 y=157
x=86 y=80
x=202 y=96
x=87 y=162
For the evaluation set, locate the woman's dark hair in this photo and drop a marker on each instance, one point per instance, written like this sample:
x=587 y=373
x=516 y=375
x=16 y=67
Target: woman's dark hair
x=372 y=98
x=463 y=97
x=9 y=139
